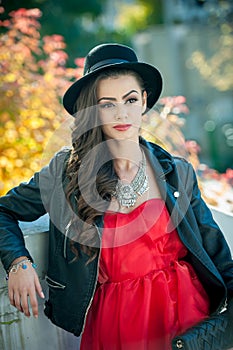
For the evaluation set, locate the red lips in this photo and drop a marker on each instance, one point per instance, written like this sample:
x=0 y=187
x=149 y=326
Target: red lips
x=122 y=127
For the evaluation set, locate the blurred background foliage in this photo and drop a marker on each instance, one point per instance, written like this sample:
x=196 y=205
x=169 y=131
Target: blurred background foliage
x=218 y=68
x=83 y=23
x=36 y=70
x=33 y=80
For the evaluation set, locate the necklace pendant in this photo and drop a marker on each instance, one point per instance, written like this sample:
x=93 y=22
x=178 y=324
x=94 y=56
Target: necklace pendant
x=126 y=195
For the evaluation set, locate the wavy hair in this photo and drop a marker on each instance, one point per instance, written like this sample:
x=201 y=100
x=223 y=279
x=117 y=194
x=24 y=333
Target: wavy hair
x=90 y=172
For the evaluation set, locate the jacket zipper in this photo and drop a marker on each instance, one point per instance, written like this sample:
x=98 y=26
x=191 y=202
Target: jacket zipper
x=66 y=236
x=96 y=279
x=223 y=307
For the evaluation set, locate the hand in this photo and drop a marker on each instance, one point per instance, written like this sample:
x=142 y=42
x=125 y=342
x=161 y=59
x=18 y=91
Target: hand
x=22 y=287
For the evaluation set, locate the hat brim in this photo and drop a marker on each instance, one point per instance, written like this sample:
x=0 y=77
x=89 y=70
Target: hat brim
x=150 y=75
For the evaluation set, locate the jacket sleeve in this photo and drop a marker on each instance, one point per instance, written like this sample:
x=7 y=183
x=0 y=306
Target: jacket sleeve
x=26 y=202
x=213 y=238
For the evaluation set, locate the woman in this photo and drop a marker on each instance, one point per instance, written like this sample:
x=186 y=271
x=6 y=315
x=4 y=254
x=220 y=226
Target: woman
x=135 y=257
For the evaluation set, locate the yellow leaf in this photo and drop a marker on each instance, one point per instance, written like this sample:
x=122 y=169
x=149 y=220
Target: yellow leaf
x=10 y=78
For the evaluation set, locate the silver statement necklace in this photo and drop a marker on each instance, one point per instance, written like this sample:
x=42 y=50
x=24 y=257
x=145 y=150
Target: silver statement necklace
x=127 y=193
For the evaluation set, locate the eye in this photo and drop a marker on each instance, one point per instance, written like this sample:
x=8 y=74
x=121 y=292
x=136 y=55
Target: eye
x=132 y=100
x=106 y=105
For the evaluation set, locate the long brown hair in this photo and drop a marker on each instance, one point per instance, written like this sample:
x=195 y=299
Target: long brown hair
x=92 y=178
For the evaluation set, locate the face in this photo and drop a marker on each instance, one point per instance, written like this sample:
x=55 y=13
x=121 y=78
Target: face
x=121 y=104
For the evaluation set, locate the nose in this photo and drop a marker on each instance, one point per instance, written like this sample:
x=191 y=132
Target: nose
x=121 y=112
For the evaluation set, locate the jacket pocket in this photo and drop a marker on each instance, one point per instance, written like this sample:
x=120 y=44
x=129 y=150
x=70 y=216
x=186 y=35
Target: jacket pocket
x=54 y=284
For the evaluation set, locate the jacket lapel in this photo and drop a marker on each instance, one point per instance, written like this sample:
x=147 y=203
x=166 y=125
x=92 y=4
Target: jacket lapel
x=174 y=194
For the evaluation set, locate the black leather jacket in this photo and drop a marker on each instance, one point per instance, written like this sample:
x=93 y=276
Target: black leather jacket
x=72 y=284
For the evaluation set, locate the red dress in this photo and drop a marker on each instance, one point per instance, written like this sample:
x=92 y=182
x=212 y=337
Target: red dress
x=146 y=292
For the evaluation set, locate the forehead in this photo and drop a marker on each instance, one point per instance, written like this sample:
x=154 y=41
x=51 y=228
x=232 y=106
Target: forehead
x=121 y=83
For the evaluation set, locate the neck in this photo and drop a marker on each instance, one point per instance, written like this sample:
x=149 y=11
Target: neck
x=126 y=155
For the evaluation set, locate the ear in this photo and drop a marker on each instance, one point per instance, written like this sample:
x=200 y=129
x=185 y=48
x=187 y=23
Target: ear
x=144 y=101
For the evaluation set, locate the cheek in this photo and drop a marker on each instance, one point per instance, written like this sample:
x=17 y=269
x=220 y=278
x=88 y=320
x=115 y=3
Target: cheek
x=105 y=123
x=106 y=127
x=135 y=109
x=103 y=118
x=107 y=131
x=106 y=116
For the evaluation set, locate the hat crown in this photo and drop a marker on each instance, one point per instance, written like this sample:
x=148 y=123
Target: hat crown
x=105 y=54
x=110 y=56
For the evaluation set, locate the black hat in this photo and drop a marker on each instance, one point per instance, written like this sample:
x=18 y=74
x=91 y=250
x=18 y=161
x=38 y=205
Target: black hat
x=115 y=55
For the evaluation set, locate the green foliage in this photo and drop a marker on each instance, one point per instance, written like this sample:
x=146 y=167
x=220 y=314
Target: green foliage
x=138 y=16
x=82 y=24
x=155 y=9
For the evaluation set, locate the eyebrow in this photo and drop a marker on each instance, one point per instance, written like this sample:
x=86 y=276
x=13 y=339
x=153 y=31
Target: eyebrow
x=114 y=99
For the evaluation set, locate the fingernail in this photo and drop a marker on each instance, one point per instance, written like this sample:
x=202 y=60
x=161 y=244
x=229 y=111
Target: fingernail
x=36 y=316
x=42 y=295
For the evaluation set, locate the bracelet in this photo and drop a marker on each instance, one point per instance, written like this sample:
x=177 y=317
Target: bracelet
x=14 y=268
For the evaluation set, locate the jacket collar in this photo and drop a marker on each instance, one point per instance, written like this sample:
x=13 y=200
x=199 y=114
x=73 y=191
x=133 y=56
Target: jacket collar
x=161 y=160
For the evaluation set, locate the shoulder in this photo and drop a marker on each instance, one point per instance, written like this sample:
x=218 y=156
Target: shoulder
x=181 y=162
x=164 y=156
x=56 y=165
x=60 y=157
x=173 y=164
x=63 y=153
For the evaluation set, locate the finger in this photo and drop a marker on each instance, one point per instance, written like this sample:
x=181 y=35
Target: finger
x=39 y=288
x=34 y=303
x=24 y=304
x=17 y=302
